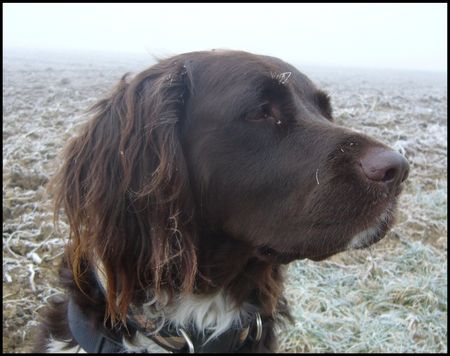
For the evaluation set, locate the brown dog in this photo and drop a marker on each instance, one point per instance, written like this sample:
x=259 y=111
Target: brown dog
x=190 y=187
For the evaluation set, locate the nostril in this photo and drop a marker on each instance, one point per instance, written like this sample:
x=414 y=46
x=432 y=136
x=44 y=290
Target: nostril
x=389 y=175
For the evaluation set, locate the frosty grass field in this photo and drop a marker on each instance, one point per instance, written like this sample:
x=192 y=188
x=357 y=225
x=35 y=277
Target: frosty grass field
x=390 y=298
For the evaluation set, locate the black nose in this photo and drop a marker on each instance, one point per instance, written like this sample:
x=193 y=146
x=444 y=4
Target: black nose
x=384 y=165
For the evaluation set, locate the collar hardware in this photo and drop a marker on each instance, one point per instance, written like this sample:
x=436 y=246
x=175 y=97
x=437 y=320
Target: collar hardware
x=258 y=327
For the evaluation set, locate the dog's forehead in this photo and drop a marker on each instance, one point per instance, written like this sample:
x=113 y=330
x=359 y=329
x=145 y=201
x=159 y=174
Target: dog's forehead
x=234 y=67
x=285 y=72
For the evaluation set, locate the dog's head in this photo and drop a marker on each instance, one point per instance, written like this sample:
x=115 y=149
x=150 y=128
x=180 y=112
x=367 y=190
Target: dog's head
x=269 y=166
x=225 y=144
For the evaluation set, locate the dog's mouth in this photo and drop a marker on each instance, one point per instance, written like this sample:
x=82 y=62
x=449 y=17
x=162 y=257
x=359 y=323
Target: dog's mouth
x=359 y=240
x=371 y=235
x=269 y=254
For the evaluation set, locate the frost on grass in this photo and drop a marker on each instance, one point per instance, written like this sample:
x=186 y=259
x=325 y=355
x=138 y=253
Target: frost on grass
x=391 y=299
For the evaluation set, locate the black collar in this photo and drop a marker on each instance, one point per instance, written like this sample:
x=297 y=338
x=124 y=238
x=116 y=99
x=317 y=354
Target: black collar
x=91 y=337
x=96 y=338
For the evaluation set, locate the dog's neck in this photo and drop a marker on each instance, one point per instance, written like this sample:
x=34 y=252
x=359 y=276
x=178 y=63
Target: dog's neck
x=234 y=266
x=215 y=312
x=232 y=285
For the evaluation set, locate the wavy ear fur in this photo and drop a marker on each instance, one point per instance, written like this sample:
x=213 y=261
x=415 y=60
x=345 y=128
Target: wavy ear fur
x=125 y=189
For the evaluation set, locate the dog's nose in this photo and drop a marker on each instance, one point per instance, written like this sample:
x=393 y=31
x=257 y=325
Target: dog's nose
x=384 y=165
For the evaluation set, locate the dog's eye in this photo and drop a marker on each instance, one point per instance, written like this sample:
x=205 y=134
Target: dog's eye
x=265 y=116
x=262 y=116
x=264 y=113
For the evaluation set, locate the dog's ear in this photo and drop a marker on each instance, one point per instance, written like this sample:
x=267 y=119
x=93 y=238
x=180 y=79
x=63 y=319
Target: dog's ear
x=125 y=189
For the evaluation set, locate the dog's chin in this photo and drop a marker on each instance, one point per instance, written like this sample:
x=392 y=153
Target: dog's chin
x=268 y=254
x=371 y=235
x=360 y=240
x=366 y=237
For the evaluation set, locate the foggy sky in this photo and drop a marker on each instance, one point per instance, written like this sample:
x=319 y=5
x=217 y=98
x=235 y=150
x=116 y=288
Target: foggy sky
x=398 y=36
